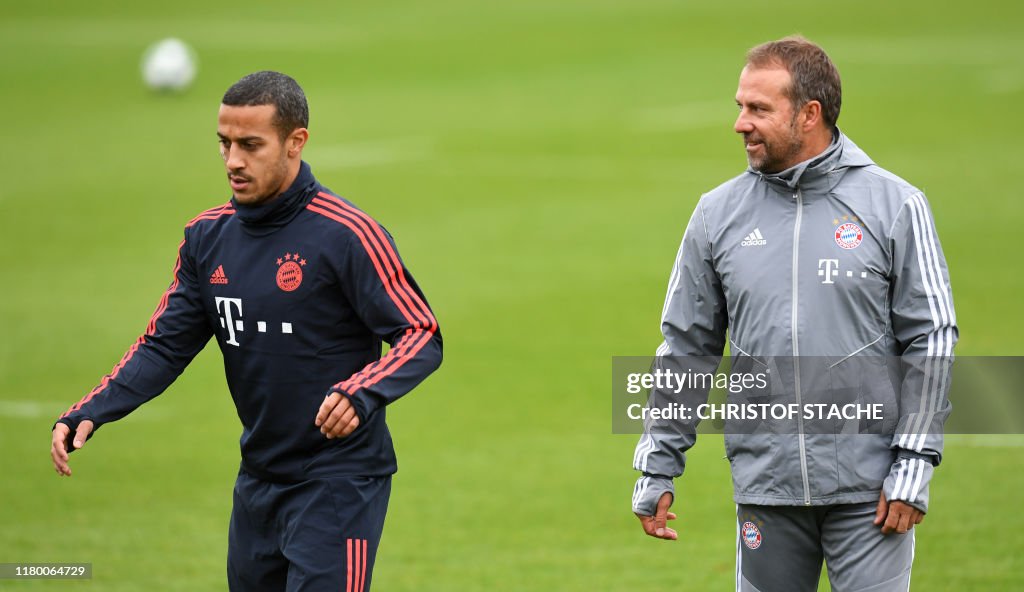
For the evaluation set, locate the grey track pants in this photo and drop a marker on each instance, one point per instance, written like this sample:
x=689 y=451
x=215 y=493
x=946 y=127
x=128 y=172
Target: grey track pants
x=781 y=548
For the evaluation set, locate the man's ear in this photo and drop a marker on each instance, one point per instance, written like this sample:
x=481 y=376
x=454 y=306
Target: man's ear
x=811 y=113
x=296 y=141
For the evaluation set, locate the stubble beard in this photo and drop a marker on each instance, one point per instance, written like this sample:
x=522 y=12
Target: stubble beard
x=778 y=155
x=273 y=185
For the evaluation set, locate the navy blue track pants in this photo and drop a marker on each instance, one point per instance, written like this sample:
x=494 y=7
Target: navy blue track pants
x=320 y=534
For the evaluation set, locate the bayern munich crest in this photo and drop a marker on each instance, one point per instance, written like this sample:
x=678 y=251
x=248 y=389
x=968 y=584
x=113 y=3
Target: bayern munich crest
x=849 y=235
x=751 y=535
x=289 y=271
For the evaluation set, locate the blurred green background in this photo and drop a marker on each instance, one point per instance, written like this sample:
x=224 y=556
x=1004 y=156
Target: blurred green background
x=537 y=162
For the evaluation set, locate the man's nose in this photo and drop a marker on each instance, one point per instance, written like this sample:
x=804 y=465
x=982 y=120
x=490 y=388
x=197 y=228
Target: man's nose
x=233 y=158
x=742 y=125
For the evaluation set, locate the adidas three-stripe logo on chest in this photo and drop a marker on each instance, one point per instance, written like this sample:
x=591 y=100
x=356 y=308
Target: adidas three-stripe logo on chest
x=754 y=239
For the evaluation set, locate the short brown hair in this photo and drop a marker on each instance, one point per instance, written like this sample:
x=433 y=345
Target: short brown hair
x=815 y=77
x=272 y=88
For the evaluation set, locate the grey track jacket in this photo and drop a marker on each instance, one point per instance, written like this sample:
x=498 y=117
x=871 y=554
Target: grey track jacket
x=834 y=257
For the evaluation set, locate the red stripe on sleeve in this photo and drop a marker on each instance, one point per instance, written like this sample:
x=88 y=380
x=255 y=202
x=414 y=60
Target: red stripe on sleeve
x=373 y=373
x=416 y=337
x=389 y=253
x=390 y=274
x=392 y=269
x=396 y=354
x=383 y=368
x=150 y=328
x=210 y=214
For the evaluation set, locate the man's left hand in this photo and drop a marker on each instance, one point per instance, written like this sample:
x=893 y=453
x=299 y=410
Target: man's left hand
x=896 y=516
x=337 y=417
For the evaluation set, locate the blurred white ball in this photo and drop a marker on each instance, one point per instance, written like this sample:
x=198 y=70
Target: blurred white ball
x=169 y=65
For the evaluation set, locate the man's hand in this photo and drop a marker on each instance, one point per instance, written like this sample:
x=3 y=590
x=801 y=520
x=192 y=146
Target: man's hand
x=655 y=525
x=898 y=517
x=58 y=447
x=337 y=417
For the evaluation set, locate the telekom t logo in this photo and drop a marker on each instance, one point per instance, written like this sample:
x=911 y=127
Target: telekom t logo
x=230 y=312
x=228 y=319
x=829 y=269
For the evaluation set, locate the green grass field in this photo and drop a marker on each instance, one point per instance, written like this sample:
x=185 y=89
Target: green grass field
x=537 y=162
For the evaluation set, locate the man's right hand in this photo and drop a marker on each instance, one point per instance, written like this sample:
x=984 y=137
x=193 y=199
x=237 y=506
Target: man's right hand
x=58 y=446
x=655 y=525
x=337 y=417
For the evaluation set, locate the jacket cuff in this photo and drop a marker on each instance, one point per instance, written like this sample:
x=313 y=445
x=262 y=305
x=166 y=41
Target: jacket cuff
x=364 y=405
x=648 y=491
x=69 y=442
x=908 y=481
x=933 y=459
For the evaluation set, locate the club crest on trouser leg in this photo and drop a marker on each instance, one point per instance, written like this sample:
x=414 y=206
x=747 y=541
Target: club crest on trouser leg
x=751 y=535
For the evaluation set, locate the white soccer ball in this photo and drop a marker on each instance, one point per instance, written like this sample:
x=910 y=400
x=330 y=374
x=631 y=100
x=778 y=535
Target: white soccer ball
x=169 y=65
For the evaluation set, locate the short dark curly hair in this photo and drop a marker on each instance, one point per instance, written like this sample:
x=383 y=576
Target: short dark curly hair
x=272 y=88
x=815 y=77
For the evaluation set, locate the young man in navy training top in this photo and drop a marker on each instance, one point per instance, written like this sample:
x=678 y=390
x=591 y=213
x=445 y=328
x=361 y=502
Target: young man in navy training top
x=299 y=288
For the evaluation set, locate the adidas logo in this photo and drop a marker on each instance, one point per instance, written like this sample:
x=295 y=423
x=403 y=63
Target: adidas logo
x=218 y=276
x=754 y=239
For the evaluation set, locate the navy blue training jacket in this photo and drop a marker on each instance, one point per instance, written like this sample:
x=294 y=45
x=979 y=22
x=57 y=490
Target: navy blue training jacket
x=299 y=293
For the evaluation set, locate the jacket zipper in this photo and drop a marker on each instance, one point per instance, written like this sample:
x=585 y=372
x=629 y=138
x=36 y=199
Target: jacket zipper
x=796 y=346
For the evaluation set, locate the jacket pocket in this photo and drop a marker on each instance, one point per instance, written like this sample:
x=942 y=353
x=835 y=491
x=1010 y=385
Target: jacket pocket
x=863 y=453
x=758 y=462
x=871 y=383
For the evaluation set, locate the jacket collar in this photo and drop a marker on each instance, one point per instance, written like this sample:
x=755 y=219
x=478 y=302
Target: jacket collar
x=822 y=172
x=278 y=211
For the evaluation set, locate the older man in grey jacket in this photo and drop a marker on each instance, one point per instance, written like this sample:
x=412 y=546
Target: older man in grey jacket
x=813 y=251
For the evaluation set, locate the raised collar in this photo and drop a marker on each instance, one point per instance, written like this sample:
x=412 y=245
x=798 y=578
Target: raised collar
x=280 y=210
x=809 y=173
